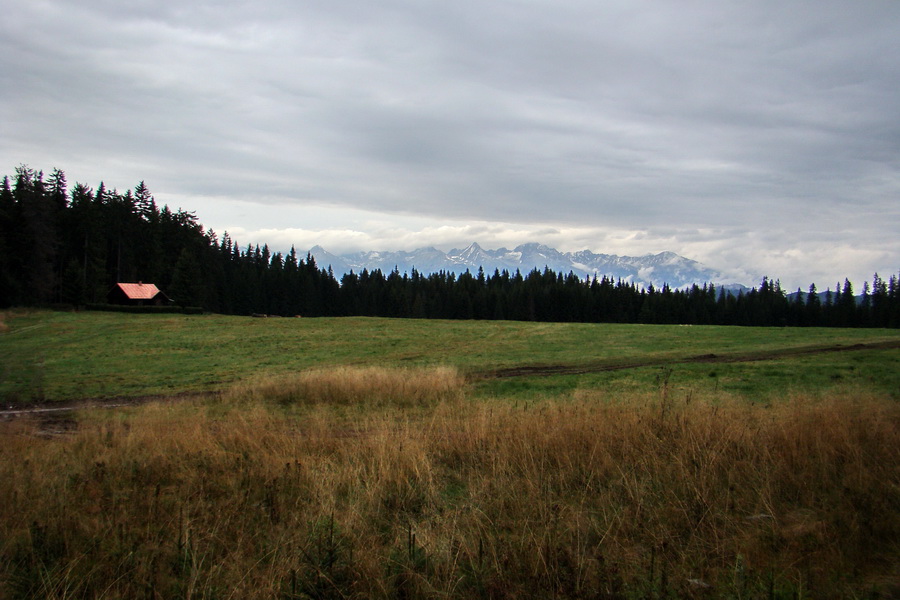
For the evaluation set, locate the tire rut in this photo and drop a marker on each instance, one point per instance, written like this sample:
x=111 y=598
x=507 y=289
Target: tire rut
x=581 y=369
x=49 y=409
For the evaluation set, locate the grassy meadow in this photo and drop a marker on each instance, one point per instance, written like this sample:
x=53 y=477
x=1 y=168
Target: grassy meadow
x=376 y=458
x=54 y=356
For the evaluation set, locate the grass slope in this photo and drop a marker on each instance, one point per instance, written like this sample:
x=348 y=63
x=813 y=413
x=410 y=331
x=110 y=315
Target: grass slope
x=51 y=356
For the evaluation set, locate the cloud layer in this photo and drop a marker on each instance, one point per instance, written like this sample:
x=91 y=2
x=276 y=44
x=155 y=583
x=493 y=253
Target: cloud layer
x=756 y=137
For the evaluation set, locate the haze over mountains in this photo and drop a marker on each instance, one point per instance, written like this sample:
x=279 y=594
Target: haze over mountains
x=655 y=269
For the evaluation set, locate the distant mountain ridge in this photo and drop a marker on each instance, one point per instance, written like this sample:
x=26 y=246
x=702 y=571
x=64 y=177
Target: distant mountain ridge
x=656 y=269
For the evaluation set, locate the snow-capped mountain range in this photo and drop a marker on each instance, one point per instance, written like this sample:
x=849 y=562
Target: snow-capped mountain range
x=656 y=269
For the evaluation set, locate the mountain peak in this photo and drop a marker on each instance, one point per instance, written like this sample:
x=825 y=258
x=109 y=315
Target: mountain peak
x=656 y=269
x=533 y=246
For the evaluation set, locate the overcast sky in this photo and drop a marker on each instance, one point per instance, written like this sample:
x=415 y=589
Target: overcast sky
x=758 y=137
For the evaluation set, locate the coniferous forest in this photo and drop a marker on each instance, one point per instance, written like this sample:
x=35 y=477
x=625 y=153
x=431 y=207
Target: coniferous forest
x=61 y=246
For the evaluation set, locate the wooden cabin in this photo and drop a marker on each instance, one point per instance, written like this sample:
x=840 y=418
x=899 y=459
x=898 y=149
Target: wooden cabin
x=137 y=294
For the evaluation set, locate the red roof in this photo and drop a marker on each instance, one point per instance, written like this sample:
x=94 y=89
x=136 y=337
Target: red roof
x=139 y=291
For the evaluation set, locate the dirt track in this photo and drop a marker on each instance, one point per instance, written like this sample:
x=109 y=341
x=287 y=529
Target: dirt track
x=600 y=367
x=50 y=409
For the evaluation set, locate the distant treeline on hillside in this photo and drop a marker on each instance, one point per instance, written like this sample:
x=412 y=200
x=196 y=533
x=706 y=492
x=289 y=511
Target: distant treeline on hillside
x=61 y=246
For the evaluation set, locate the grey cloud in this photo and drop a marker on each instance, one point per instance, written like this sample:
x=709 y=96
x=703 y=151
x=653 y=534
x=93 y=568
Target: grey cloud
x=701 y=116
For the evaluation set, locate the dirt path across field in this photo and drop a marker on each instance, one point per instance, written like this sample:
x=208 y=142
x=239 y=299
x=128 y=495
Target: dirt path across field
x=600 y=367
x=50 y=410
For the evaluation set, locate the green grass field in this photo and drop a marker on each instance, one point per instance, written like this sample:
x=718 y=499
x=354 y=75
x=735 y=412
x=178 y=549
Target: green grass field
x=377 y=458
x=54 y=356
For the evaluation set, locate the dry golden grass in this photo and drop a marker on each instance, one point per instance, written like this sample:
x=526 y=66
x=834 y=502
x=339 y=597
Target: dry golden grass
x=354 y=385
x=596 y=496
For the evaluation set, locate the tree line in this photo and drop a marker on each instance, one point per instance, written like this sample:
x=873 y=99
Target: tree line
x=62 y=246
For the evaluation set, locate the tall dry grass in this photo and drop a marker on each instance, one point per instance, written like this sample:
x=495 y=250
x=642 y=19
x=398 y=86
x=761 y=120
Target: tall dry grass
x=353 y=385
x=595 y=496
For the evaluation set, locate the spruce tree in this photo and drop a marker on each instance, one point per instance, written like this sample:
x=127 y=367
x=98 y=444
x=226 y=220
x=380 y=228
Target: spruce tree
x=813 y=307
x=40 y=235
x=186 y=288
x=7 y=225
